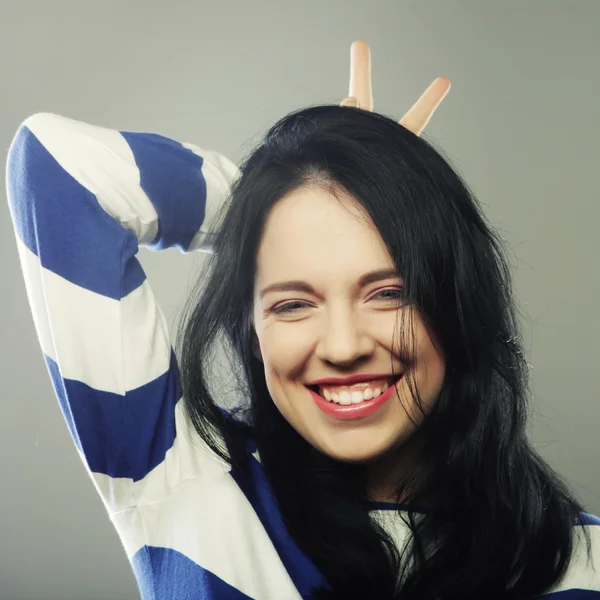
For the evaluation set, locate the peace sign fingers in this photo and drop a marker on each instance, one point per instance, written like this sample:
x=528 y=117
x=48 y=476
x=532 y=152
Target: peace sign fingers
x=361 y=90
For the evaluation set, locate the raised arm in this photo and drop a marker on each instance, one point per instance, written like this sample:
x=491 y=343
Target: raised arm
x=83 y=199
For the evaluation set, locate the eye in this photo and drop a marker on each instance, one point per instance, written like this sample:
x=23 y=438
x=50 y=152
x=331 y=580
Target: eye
x=398 y=291
x=287 y=308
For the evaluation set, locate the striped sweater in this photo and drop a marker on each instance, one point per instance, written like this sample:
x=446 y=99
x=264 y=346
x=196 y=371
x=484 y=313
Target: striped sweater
x=83 y=199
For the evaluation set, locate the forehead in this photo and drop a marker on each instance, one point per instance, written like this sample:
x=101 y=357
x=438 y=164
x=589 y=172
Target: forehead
x=311 y=233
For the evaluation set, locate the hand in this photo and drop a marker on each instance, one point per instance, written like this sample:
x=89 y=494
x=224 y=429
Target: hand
x=361 y=93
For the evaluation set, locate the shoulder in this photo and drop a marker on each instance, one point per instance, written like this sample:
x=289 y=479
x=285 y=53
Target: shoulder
x=583 y=574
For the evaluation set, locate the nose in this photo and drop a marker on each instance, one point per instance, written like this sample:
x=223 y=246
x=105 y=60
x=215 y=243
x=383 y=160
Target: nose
x=343 y=340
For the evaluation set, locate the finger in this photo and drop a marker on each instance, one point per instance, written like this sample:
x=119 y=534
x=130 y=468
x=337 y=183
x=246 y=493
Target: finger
x=360 y=74
x=350 y=102
x=422 y=110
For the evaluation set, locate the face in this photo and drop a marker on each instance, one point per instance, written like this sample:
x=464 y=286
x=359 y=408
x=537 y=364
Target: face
x=340 y=328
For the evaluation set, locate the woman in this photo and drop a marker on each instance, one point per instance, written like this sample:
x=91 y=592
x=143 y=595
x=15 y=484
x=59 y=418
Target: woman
x=344 y=249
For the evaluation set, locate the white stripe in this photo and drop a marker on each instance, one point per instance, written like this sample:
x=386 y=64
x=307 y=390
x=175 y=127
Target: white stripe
x=190 y=503
x=220 y=174
x=101 y=161
x=580 y=575
x=109 y=345
x=189 y=458
x=214 y=525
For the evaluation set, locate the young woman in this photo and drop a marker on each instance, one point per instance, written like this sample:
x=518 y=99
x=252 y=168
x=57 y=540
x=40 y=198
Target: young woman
x=379 y=447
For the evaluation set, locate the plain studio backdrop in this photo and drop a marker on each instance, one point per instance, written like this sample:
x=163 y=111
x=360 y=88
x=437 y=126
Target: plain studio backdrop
x=519 y=124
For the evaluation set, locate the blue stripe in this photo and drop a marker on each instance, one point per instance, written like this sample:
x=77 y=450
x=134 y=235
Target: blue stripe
x=171 y=176
x=120 y=436
x=59 y=390
x=62 y=223
x=256 y=488
x=165 y=574
x=588 y=519
x=573 y=595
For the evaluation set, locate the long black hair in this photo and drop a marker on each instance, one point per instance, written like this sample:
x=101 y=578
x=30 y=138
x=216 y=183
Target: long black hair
x=500 y=521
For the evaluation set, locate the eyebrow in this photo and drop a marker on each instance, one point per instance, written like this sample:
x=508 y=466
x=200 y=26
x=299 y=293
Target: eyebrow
x=302 y=286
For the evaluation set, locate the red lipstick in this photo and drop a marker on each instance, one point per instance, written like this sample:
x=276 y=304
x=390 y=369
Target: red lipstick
x=353 y=411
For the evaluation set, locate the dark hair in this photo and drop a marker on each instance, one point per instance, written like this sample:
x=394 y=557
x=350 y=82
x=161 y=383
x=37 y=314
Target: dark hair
x=500 y=522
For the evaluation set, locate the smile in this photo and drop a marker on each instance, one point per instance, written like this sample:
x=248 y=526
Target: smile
x=359 y=405
x=346 y=395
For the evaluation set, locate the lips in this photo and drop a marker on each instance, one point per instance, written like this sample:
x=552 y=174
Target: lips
x=352 y=411
x=359 y=387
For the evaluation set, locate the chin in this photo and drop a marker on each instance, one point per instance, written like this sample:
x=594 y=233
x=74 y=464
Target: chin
x=355 y=453
x=362 y=447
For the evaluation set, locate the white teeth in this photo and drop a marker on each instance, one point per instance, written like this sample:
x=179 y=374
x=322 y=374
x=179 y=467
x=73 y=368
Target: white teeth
x=353 y=397
x=356 y=397
x=346 y=398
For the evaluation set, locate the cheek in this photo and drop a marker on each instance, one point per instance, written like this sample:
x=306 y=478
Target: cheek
x=433 y=377
x=284 y=351
x=280 y=364
x=435 y=360
x=430 y=365
x=436 y=371
x=284 y=360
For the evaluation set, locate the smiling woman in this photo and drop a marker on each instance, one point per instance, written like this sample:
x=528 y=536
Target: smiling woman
x=369 y=303
x=356 y=282
x=346 y=303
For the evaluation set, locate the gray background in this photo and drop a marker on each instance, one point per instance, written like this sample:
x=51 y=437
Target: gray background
x=519 y=124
